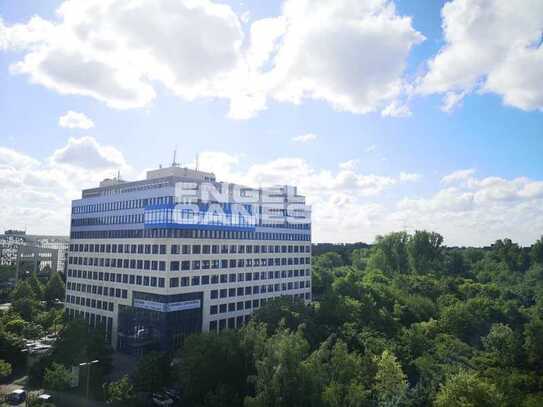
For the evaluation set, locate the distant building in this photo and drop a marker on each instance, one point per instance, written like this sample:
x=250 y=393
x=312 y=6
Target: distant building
x=16 y=245
x=151 y=265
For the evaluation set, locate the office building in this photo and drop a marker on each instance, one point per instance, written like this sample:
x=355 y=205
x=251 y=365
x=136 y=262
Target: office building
x=152 y=261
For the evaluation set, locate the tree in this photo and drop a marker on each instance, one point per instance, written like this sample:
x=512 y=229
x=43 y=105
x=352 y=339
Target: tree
x=11 y=348
x=216 y=365
x=24 y=300
x=152 y=372
x=337 y=376
x=501 y=342
x=536 y=253
x=120 y=393
x=425 y=252
x=55 y=289
x=533 y=341
x=467 y=389
x=5 y=369
x=281 y=378
x=57 y=377
x=390 y=253
x=36 y=286
x=390 y=385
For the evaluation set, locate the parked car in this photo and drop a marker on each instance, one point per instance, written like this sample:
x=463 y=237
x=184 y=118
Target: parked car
x=45 y=398
x=174 y=394
x=161 y=399
x=16 y=396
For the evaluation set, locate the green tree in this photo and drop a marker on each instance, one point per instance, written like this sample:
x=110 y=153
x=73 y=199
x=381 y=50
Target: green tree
x=55 y=289
x=536 y=252
x=36 y=285
x=120 y=393
x=281 y=379
x=390 y=253
x=57 y=377
x=533 y=341
x=501 y=342
x=390 y=386
x=24 y=300
x=467 y=389
x=5 y=369
x=152 y=372
x=425 y=252
x=337 y=376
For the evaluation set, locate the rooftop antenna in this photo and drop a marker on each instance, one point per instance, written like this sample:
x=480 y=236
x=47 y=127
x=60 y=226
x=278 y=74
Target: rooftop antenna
x=174 y=163
x=118 y=175
x=197 y=159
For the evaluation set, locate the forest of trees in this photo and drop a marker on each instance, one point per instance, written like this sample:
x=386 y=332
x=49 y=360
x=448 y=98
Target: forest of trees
x=405 y=322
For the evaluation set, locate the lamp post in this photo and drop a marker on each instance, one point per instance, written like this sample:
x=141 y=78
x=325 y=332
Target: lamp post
x=88 y=365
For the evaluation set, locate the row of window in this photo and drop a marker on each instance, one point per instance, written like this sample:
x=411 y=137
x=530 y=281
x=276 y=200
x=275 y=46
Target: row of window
x=121 y=205
x=94 y=320
x=185 y=265
x=147 y=281
x=239 y=321
x=90 y=302
x=256 y=289
x=186 y=248
x=193 y=233
x=99 y=290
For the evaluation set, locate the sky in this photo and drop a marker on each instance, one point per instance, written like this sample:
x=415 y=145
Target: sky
x=387 y=115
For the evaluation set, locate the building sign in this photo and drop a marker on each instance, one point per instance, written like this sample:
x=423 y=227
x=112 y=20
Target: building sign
x=166 y=307
x=183 y=305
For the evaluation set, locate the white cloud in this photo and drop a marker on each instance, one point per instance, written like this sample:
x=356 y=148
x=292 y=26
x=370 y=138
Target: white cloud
x=86 y=152
x=350 y=54
x=305 y=138
x=75 y=120
x=491 y=46
x=43 y=189
x=347 y=203
x=409 y=176
x=459 y=175
x=396 y=109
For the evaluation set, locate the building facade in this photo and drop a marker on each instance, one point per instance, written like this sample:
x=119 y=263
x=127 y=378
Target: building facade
x=155 y=260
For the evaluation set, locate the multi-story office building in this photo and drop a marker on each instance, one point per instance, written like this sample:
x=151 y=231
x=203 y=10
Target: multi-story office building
x=152 y=261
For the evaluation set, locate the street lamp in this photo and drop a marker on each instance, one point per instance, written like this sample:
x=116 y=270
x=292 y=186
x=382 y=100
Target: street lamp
x=88 y=365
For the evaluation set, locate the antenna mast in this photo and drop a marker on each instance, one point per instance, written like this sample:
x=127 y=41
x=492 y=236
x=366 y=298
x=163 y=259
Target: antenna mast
x=174 y=163
x=197 y=159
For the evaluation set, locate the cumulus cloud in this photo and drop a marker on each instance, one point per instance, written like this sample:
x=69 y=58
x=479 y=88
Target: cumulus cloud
x=409 y=176
x=347 y=203
x=305 y=138
x=350 y=54
x=75 y=120
x=86 y=152
x=490 y=46
x=43 y=189
x=477 y=211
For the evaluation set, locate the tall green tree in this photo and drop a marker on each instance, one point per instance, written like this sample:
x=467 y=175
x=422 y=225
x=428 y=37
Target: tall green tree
x=425 y=252
x=390 y=385
x=36 y=285
x=120 y=393
x=57 y=377
x=55 y=289
x=5 y=369
x=281 y=379
x=467 y=389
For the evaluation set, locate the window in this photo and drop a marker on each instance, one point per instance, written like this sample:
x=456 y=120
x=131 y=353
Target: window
x=174 y=282
x=174 y=266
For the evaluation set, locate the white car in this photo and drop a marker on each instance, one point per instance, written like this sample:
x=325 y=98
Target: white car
x=161 y=399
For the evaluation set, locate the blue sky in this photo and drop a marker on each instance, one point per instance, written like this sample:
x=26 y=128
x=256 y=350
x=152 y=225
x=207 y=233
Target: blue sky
x=491 y=139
